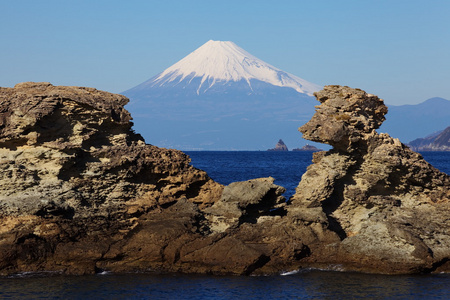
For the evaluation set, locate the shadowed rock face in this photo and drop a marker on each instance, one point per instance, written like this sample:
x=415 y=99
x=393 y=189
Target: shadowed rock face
x=388 y=205
x=80 y=192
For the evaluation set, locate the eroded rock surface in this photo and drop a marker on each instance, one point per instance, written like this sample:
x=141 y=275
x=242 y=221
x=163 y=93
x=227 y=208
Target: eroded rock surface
x=388 y=205
x=75 y=179
x=80 y=192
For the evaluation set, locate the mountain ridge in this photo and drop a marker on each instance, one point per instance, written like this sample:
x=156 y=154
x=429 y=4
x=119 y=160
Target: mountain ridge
x=186 y=107
x=221 y=62
x=438 y=141
x=411 y=121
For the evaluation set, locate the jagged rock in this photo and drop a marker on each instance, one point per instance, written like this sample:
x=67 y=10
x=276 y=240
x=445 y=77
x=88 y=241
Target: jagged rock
x=435 y=142
x=80 y=192
x=388 y=205
x=75 y=178
x=280 y=146
x=245 y=201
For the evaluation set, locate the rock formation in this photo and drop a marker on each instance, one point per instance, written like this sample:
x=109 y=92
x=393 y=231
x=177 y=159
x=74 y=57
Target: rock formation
x=389 y=207
x=75 y=178
x=80 y=192
x=280 y=146
x=435 y=142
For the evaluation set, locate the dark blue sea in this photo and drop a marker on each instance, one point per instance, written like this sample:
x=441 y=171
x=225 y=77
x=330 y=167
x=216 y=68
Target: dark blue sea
x=226 y=167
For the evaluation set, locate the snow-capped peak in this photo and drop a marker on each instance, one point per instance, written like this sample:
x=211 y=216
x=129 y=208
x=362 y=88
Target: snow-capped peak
x=224 y=61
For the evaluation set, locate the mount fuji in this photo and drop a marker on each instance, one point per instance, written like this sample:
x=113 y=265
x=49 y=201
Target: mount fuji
x=220 y=97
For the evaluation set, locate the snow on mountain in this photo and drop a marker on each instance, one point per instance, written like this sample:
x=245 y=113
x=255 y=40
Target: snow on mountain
x=222 y=62
x=221 y=97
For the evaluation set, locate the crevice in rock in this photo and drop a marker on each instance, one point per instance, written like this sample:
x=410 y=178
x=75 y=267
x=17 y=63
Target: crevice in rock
x=260 y=262
x=436 y=265
x=266 y=207
x=53 y=210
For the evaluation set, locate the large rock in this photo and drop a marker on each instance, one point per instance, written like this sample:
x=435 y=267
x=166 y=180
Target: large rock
x=388 y=205
x=75 y=178
x=80 y=192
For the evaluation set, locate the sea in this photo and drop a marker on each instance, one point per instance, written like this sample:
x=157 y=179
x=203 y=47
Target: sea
x=226 y=167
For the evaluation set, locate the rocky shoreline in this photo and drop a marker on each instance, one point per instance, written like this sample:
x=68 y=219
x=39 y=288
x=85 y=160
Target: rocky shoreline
x=82 y=193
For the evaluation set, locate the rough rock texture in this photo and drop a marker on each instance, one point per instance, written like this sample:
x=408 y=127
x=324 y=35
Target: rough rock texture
x=390 y=208
x=75 y=178
x=80 y=192
x=280 y=146
x=435 y=142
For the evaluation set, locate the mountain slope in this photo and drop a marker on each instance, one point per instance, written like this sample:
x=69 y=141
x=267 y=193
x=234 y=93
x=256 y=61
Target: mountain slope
x=220 y=97
x=220 y=63
x=434 y=142
x=409 y=122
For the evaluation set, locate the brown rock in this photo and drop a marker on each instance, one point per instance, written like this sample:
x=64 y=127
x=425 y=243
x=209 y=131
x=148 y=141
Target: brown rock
x=388 y=205
x=80 y=192
x=75 y=178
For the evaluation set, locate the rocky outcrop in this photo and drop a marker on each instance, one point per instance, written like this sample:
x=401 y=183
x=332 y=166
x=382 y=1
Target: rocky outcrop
x=389 y=207
x=80 y=192
x=435 y=142
x=75 y=178
x=280 y=146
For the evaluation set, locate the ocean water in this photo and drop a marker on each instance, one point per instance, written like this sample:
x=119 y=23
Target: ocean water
x=226 y=167
x=286 y=167
x=309 y=284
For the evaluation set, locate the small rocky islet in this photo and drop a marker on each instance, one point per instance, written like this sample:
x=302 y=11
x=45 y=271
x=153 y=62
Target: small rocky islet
x=280 y=146
x=81 y=192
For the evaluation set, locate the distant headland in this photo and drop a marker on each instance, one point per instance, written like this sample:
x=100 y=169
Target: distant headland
x=439 y=141
x=307 y=148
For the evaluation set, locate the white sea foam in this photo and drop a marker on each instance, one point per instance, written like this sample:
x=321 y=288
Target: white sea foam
x=332 y=267
x=290 y=273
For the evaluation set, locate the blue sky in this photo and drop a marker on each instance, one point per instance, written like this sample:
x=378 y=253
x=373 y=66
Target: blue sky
x=398 y=50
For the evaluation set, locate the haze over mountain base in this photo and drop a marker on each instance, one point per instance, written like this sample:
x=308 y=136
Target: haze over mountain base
x=221 y=97
x=232 y=121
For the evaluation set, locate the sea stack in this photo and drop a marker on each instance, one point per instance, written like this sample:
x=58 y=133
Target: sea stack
x=389 y=206
x=280 y=146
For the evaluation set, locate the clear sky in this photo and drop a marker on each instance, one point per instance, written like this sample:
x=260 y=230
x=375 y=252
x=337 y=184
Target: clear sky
x=396 y=49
